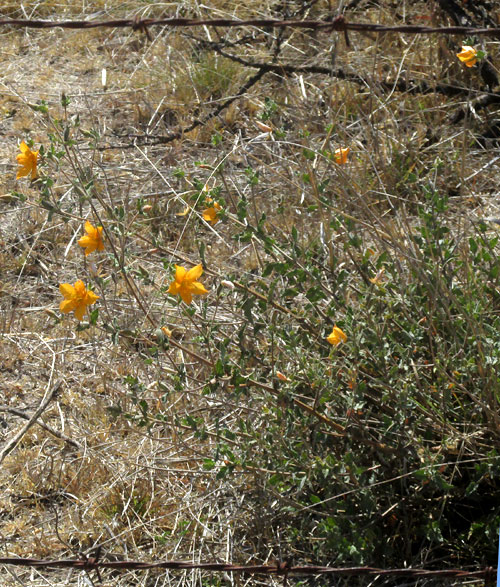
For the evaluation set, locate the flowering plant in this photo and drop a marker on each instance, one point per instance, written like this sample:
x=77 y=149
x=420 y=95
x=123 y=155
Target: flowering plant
x=185 y=284
x=92 y=241
x=27 y=160
x=76 y=298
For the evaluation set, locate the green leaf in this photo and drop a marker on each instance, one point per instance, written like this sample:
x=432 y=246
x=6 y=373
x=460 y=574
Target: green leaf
x=208 y=464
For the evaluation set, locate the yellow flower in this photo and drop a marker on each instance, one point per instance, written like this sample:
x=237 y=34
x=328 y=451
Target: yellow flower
x=185 y=283
x=210 y=214
x=93 y=239
x=27 y=159
x=341 y=155
x=336 y=336
x=76 y=298
x=468 y=55
x=379 y=277
x=166 y=331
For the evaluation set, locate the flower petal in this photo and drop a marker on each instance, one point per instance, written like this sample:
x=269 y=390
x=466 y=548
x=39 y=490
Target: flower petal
x=80 y=289
x=80 y=311
x=341 y=155
x=194 y=273
x=34 y=172
x=27 y=159
x=91 y=298
x=336 y=336
x=67 y=290
x=197 y=288
x=186 y=296
x=174 y=288
x=468 y=55
x=84 y=241
x=22 y=172
x=67 y=306
x=180 y=273
x=77 y=298
x=92 y=241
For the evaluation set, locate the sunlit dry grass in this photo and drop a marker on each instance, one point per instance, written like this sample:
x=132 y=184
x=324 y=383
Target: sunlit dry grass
x=132 y=453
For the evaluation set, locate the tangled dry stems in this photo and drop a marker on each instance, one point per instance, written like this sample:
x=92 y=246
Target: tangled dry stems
x=144 y=492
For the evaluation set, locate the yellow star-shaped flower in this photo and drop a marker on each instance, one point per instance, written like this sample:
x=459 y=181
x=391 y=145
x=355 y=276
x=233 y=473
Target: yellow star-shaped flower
x=336 y=336
x=27 y=159
x=93 y=239
x=340 y=155
x=76 y=298
x=210 y=214
x=379 y=277
x=185 y=283
x=468 y=56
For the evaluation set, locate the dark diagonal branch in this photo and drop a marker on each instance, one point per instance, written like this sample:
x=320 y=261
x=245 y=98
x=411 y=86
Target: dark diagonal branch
x=164 y=139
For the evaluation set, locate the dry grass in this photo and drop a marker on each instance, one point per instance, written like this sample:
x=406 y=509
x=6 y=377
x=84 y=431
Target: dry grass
x=140 y=489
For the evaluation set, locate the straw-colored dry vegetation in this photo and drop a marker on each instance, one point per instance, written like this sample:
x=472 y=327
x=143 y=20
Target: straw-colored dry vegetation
x=229 y=429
